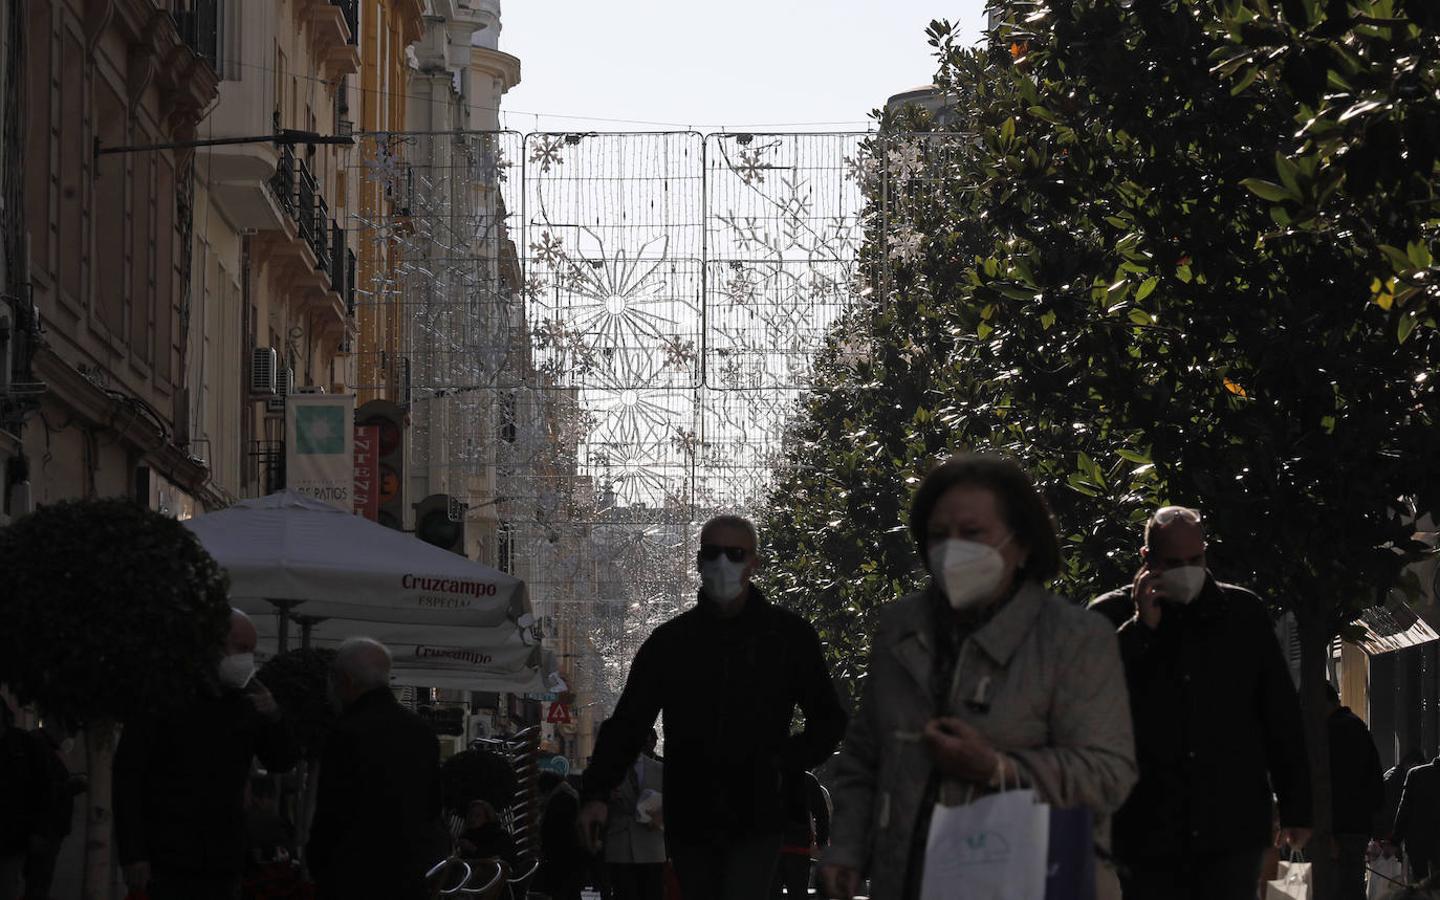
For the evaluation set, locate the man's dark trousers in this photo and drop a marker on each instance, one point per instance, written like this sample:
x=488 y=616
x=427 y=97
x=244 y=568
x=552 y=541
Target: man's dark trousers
x=1227 y=876
x=173 y=884
x=741 y=867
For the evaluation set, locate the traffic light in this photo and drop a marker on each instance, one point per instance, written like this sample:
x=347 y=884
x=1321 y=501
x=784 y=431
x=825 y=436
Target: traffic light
x=390 y=419
x=440 y=520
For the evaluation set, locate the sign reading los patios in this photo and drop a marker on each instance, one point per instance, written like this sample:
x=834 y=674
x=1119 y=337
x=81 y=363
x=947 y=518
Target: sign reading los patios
x=320 y=447
x=447 y=593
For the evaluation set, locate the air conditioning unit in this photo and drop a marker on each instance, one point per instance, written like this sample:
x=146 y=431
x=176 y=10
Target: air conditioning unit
x=284 y=387
x=263 y=365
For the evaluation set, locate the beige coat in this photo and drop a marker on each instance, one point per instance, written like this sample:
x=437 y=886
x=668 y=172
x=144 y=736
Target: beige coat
x=1057 y=702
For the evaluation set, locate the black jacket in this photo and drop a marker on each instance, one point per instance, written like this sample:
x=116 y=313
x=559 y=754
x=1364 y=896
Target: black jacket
x=1217 y=725
x=1417 y=823
x=1357 y=788
x=728 y=688
x=377 y=810
x=179 y=783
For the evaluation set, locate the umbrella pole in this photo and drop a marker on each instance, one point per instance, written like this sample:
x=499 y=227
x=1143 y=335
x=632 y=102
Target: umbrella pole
x=282 y=611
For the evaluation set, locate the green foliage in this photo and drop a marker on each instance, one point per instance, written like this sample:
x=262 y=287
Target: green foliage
x=1153 y=272
x=107 y=610
x=477 y=774
x=299 y=679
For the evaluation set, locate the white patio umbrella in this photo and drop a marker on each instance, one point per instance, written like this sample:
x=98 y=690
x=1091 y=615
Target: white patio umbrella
x=450 y=622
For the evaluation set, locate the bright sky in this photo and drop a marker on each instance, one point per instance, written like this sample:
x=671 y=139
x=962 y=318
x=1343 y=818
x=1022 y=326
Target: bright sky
x=666 y=64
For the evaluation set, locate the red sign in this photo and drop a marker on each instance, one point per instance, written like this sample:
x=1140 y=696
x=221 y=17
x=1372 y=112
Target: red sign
x=559 y=714
x=367 y=471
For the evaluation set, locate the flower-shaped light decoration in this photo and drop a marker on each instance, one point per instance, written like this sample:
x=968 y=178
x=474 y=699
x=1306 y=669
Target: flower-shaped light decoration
x=624 y=301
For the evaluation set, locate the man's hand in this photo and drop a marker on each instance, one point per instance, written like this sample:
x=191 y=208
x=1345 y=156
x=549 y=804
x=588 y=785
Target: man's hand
x=960 y=751
x=839 y=882
x=137 y=876
x=591 y=822
x=657 y=821
x=1147 y=598
x=263 y=700
x=1295 y=838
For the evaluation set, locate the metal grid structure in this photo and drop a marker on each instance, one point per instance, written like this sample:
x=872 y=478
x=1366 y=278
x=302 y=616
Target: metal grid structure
x=607 y=333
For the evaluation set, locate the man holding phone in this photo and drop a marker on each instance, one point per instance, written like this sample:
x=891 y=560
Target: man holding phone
x=179 y=782
x=1217 y=725
x=728 y=675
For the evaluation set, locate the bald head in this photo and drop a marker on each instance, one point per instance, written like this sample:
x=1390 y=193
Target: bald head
x=1174 y=537
x=361 y=665
x=242 y=636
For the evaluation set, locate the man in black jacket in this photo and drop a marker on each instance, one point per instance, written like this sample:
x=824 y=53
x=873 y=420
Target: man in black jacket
x=179 y=781
x=377 y=813
x=1417 y=823
x=728 y=675
x=1217 y=727
x=1357 y=793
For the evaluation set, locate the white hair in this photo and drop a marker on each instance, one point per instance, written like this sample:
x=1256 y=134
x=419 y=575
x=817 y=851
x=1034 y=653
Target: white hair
x=366 y=661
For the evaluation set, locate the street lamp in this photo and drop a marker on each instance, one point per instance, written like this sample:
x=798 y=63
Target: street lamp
x=284 y=137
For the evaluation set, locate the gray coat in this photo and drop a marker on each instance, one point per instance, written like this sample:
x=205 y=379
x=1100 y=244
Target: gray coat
x=1057 y=706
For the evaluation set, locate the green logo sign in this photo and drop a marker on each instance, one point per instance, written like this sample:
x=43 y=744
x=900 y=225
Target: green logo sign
x=321 y=430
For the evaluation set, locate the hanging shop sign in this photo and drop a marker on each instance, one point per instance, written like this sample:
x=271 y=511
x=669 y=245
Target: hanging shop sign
x=320 y=447
x=367 y=472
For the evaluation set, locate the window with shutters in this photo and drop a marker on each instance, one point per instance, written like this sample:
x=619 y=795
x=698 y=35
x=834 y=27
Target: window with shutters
x=111 y=226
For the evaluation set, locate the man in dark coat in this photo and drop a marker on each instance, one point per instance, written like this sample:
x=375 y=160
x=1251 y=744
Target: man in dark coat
x=61 y=788
x=23 y=801
x=1417 y=823
x=179 y=781
x=728 y=675
x=1357 y=794
x=377 y=824
x=1217 y=726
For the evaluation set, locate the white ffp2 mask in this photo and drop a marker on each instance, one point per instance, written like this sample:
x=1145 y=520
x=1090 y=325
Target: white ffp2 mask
x=968 y=572
x=237 y=669
x=722 y=580
x=1183 y=583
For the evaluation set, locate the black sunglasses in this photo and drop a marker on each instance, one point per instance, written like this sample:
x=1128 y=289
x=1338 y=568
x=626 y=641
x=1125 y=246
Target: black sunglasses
x=710 y=552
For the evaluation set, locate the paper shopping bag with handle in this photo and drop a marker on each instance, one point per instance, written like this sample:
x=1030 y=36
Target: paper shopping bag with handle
x=992 y=849
x=1293 y=883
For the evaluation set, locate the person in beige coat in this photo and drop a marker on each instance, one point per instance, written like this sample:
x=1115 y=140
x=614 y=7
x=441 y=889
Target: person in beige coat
x=983 y=680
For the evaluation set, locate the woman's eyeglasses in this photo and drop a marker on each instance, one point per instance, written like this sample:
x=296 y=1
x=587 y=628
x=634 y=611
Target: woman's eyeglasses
x=710 y=552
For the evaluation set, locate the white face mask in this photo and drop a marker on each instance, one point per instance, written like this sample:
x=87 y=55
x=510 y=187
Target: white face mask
x=968 y=572
x=237 y=669
x=1183 y=584
x=722 y=580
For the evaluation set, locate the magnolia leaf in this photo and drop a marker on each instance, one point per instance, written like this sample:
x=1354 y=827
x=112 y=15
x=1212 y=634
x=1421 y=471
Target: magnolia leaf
x=1269 y=190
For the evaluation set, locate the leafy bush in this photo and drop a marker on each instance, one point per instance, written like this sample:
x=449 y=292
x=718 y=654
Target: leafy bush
x=107 y=610
x=299 y=679
x=477 y=774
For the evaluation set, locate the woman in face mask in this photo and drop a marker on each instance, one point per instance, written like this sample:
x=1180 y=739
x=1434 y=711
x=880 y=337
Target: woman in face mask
x=982 y=681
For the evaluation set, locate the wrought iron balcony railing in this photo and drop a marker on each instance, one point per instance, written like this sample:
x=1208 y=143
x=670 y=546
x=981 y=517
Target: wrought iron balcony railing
x=283 y=181
x=320 y=235
x=350 y=282
x=305 y=193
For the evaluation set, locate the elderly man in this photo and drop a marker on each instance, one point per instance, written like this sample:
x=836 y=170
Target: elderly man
x=1217 y=725
x=728 y=675
x=179 y=789
x=377 y=817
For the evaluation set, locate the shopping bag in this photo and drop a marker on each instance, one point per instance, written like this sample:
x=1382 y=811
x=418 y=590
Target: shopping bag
x=1387 y=874
x=995 y=848
x=1293 y=883
x=1070 y=871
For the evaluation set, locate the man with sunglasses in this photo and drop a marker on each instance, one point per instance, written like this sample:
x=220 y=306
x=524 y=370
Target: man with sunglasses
x=1217 y=725
x=728 y=675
